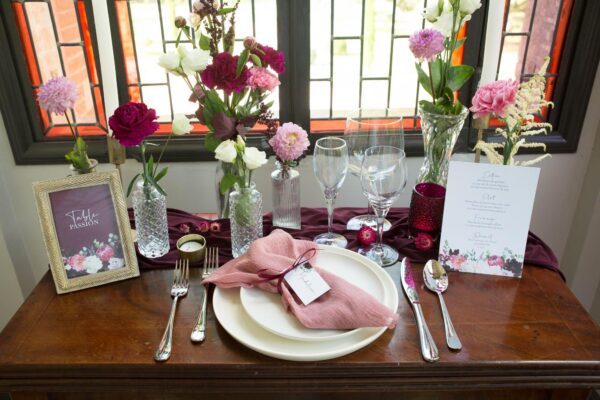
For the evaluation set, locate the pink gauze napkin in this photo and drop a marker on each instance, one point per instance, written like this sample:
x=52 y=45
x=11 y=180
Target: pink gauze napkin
x=345 y=306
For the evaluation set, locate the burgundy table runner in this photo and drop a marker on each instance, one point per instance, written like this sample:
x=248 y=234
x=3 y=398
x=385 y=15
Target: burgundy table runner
x=314 y=221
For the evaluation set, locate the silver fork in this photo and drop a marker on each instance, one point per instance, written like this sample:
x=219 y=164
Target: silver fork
x=211 y=263
x=179 y=289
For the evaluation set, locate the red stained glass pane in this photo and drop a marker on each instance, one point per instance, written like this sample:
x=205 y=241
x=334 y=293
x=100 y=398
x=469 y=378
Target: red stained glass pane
x=125 y=34
x=34 y=73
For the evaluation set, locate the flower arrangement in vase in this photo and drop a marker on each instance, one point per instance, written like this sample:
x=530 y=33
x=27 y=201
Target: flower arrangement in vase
x=442 y=118
x=516 y=105
x=131 y=124
x=231 y=90
x=57 y=96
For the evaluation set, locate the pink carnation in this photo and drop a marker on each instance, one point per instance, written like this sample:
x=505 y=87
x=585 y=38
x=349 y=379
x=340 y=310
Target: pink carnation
x=105 y=252
x=494 y=98
x=132 y=122
x=426 y=44
x=222 y=74
x=290 y=142
x=57 y=95
x=76 y=262
x=261 y=78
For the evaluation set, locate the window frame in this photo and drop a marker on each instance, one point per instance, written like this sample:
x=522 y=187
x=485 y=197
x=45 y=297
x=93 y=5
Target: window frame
x=574 y=83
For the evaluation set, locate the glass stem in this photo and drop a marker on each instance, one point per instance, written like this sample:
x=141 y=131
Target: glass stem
x=329 y=202
x=380 y=213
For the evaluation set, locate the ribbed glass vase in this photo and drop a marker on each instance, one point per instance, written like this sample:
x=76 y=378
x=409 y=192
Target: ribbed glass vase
x=286 y=196
x=245 y=216
x=150 y=213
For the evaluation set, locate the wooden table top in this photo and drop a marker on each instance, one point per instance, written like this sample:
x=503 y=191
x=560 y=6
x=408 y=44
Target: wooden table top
x=524 y=333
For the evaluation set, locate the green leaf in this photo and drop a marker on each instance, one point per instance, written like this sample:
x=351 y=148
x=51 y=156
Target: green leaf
x=242 y=62
x=437 y=66
x=228 y=181
x=211 y=142
x=256 y=60
x=459 y=43
x=161 y=174
x=156 y=185
x=204 y=42
x=150 y=165
x=214 y=102
x=130 y=187
x=458 y=75
x=226 y=10
x=178 y=38
x=423 y=79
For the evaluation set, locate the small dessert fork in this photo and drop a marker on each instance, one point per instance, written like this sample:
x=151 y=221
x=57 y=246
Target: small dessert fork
x=179 y=289
x=211 y=263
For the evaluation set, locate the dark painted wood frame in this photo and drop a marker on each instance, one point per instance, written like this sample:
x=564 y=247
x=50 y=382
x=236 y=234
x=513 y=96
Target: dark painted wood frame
x=574 y=84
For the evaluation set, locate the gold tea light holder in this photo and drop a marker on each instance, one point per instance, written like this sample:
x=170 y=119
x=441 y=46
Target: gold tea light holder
x=191 y=247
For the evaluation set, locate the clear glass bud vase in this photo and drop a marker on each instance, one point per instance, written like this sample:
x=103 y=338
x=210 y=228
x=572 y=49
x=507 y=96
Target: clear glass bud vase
x=439 y=137
x=150 y=212
x=223 y=198
x=245 y=216
x=286 y=196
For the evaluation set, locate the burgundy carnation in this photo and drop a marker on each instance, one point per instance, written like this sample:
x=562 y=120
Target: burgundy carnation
x=269 y=57
x=222 y=74
x=131 y=123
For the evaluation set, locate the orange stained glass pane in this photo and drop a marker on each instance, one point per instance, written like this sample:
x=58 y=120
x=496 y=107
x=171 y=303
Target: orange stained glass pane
x=458 y=54
x=87 y=40
x=128 y=48
x=32 y=69
x=134 y=94
x=338 y=125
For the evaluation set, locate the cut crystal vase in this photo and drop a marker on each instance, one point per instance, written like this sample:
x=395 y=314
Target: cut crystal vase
x=245 y=216
x=150 y=213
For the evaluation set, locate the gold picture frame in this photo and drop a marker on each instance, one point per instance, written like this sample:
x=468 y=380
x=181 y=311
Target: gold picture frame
x=86 y=212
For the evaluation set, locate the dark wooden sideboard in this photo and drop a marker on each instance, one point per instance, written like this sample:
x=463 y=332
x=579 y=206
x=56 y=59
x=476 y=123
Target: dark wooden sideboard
x=527 y=338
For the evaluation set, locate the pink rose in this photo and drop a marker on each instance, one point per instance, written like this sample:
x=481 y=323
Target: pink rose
x=495 y=261
x=203 y=226
x=76 y=262
x=105 y=252
x=494 y=98
x=261 y=78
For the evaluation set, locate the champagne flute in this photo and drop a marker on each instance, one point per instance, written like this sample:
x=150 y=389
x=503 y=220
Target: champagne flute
x=383 y=178
x=330 y=164
x=367 y=128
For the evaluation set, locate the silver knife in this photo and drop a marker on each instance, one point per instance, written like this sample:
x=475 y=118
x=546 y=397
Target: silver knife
x=428 y=348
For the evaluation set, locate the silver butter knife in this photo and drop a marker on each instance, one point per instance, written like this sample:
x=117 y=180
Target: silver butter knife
x=428 y=348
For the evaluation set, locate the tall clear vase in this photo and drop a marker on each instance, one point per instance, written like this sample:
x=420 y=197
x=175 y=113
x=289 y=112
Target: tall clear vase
x=286 y=196
x=150 y=213
x=245 y=216
x=439 y=137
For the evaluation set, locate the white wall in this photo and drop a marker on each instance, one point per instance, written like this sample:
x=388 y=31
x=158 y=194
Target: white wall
x=190 y=186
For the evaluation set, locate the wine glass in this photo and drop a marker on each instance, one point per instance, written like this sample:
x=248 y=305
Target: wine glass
x=330 y=163
x=383 y=177
x=367 y=128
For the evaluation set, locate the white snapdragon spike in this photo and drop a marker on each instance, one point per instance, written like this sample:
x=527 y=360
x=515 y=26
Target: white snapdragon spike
x=226 y=151
x=169 y=61
x=468 y=7
x=181 y=125
x=194 y=60
x=254 y=158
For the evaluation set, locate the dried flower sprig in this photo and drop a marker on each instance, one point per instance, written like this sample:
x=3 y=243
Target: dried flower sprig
x=519 y=118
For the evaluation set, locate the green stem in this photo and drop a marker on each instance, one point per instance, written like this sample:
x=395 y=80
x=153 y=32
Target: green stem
x=431 y=83
x=144 y=166
x=161 y=154
x=71 y=126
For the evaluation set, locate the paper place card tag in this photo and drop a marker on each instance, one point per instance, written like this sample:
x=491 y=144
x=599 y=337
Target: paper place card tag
x=306 y=282
x=486 y=218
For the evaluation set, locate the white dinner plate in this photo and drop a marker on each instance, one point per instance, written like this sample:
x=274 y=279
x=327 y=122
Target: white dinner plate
x=266 y=309
x=232 y=317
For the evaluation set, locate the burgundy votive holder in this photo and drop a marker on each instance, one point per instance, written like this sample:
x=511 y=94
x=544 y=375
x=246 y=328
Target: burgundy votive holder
x=426 y=209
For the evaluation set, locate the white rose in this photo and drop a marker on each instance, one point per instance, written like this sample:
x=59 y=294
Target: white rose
x=181 y=125
x=254 y=158
x=433 y=10
x=195 y=60
x=116 y=263
x=92 y=264
x=195 y=20
x=468 y=7
x=226 y=151
x=169 y=61
x=444 y=23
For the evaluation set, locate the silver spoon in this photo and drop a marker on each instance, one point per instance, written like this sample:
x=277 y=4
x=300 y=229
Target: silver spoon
x=436 y=280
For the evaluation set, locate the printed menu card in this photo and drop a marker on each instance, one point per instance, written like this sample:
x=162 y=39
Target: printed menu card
x=486 y=218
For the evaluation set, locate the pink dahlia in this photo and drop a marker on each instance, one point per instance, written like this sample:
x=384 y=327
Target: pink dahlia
x=132 y=122
x=57 y=95
x=426 y=44
x=261 y=78
x=222 y=74
x=290 y=142
x=269 y=57
x=105 y=252
x=494 y=98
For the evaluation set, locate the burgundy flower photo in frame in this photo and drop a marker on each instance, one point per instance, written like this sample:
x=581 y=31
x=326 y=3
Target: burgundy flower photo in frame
x=86 y=230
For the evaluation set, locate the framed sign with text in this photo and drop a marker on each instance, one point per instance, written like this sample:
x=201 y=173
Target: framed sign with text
x=86 y=230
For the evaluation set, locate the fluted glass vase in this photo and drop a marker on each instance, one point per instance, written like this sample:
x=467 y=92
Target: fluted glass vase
x=245 y=216
x=439 y=137
x=286 y=196
x=150 y=212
